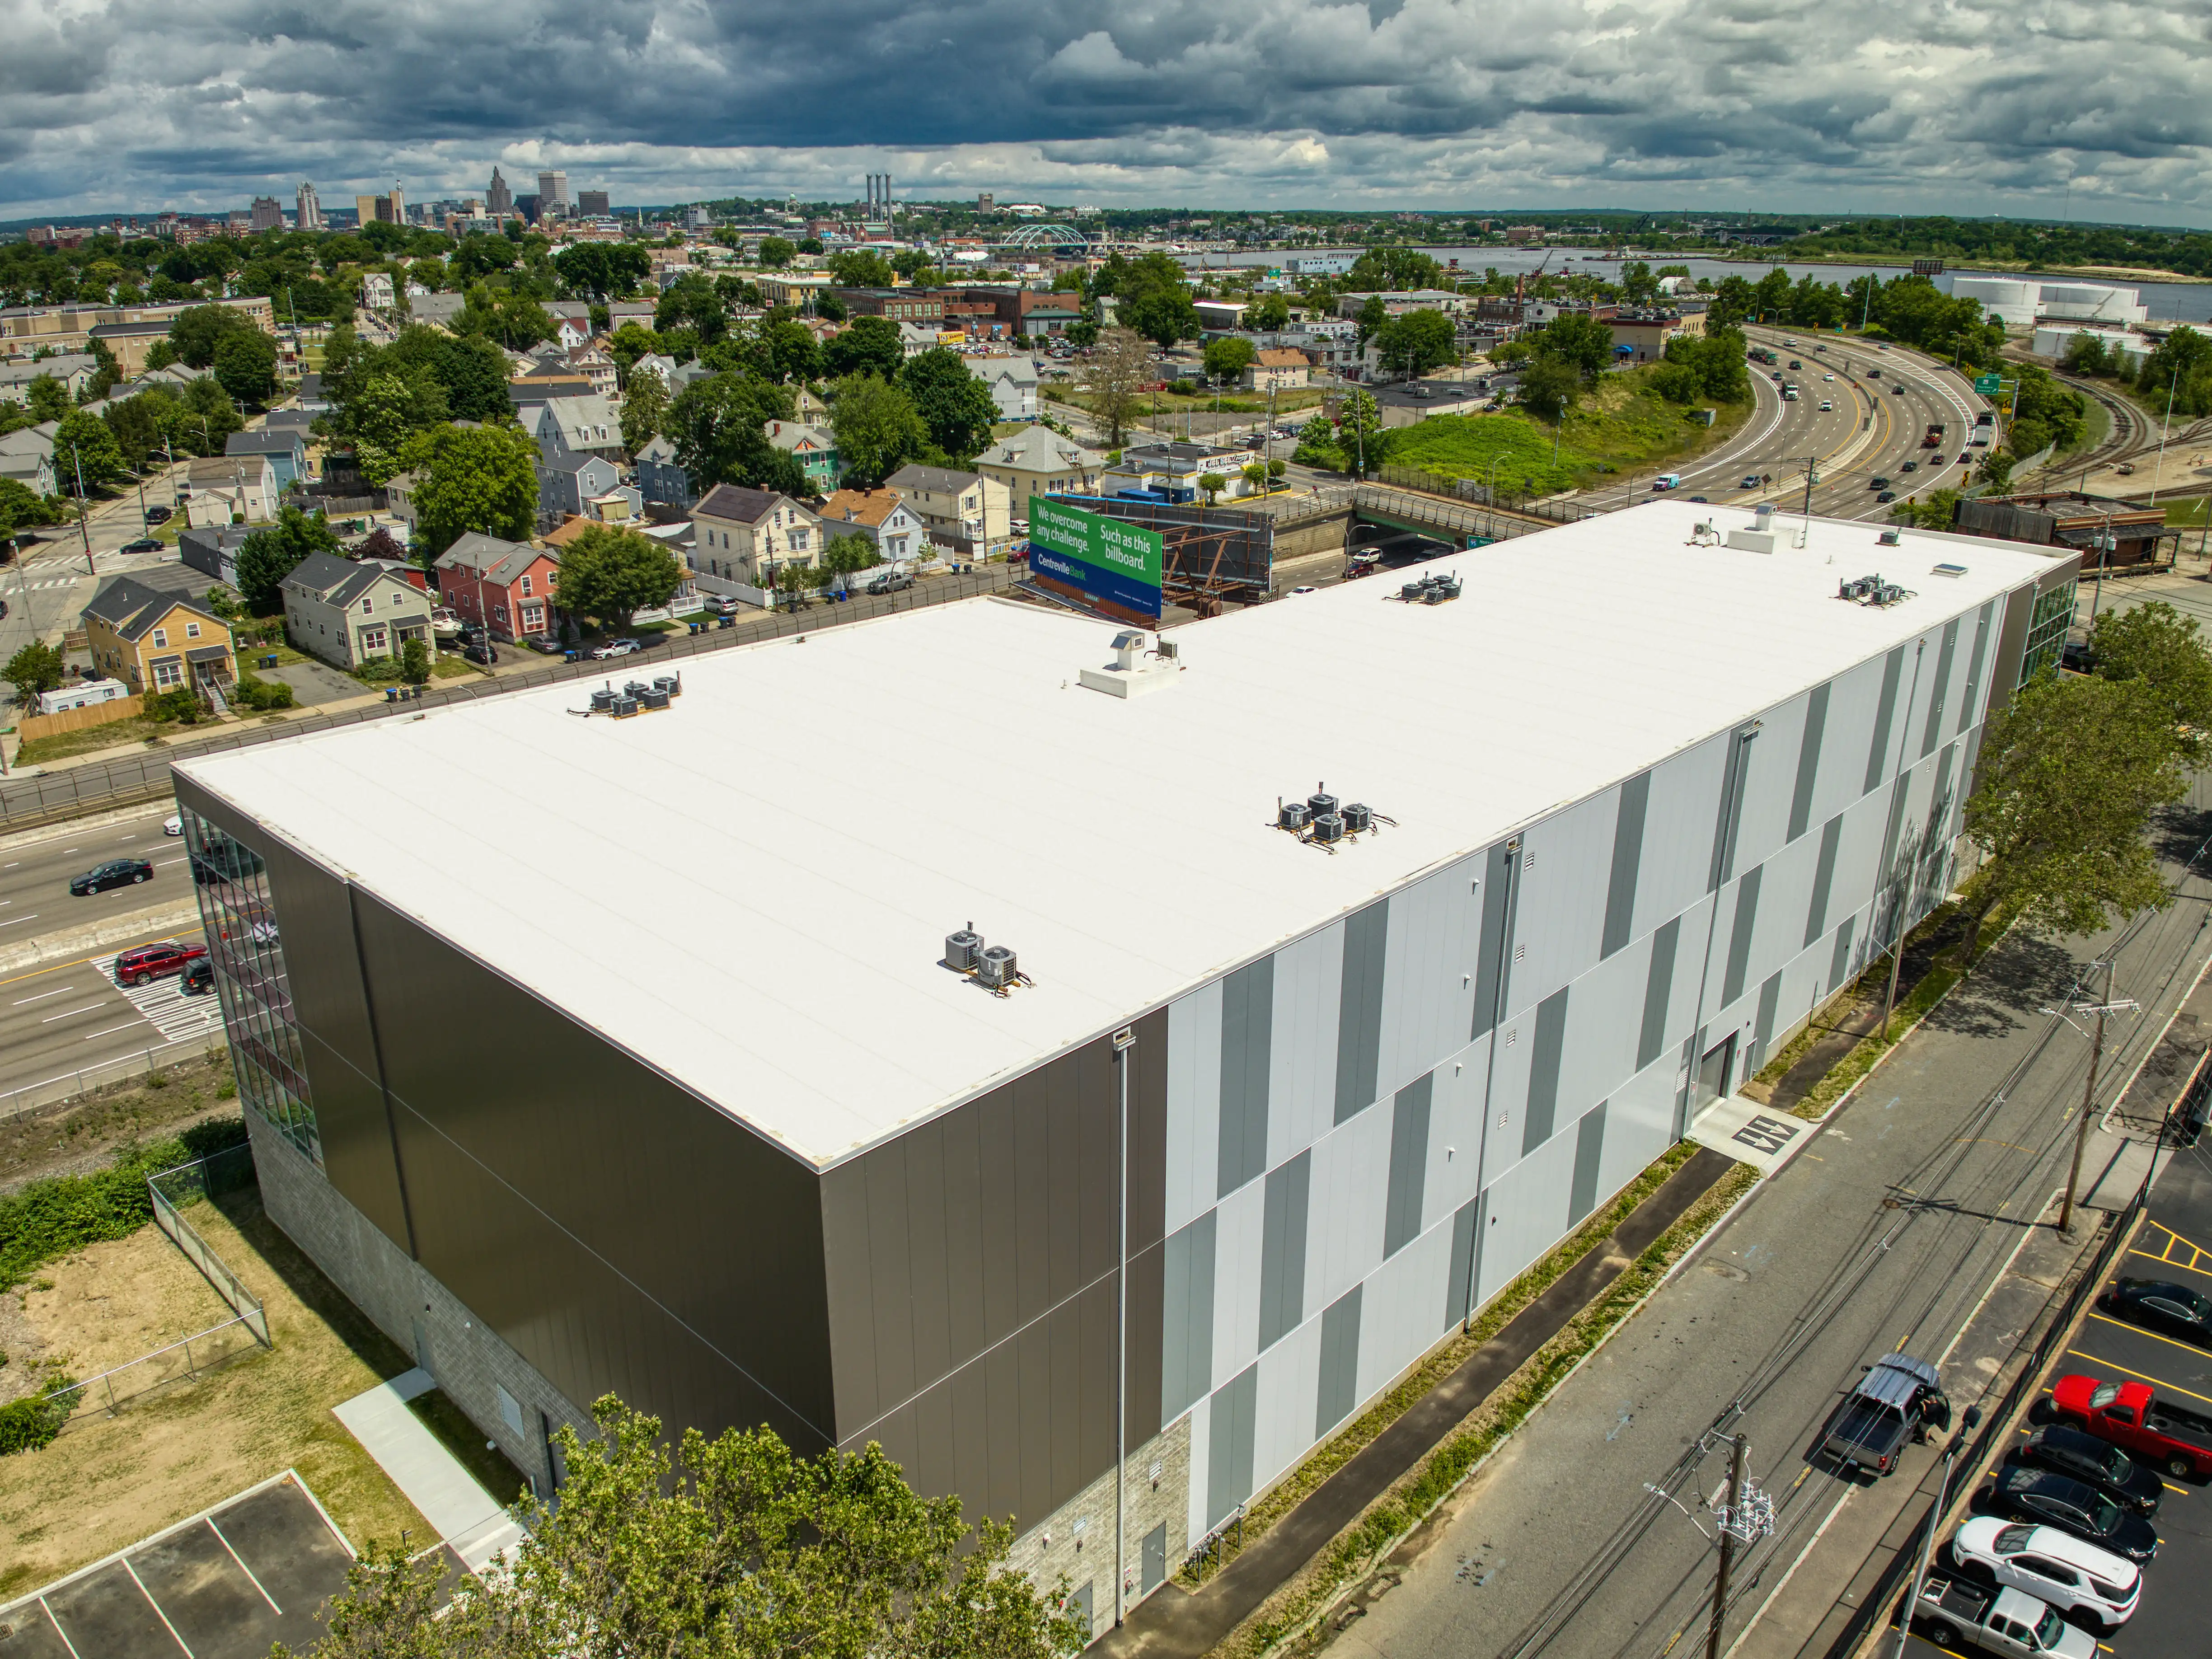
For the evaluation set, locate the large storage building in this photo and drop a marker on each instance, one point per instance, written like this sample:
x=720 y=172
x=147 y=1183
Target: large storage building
x=594 y=1054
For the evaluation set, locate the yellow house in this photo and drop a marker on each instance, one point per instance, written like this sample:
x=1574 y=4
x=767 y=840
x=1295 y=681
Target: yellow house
x=155 y=641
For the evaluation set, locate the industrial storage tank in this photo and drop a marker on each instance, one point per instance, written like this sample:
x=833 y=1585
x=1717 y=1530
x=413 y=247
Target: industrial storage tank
x=2006 y=298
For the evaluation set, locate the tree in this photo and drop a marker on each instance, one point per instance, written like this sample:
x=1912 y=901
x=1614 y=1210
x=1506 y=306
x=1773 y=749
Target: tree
x=1082 y=334
x=47 y=397
x=1996 y=470
x=1269 y=314
x=860 y=267
x=1154 y=299
x=842 y=556
x=611 y=573
x=1397 y=269
x=775 y=252
x=1255 y=476
x=472 y=371
x=272 y=552
x=644 y=412
x=85 y=449
x=1210 y=485
x=787 y=350
x=1373 y=314
x=2154 y=646
x=602 y=271
x=718 y=426
x=414 y=661
x=1359 y=433
x=867 y=345
x=1580 y=341
x=197 y=333
x=878 y=428
x=21 y=505
x=1115 y=377
x=1228 y=357
x=1548 y=387
x=33 y=669
x=246 y=367
x=1416 y=342
x=482 y=478
x=955 y=406
x=2069 y=773
x=380 y=415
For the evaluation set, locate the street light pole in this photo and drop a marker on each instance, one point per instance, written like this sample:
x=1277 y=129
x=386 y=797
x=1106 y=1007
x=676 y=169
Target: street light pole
x=1966 y=1426
x=2158 y=471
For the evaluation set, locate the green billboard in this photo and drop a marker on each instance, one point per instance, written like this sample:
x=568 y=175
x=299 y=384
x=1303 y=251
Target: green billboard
x=1117 y=564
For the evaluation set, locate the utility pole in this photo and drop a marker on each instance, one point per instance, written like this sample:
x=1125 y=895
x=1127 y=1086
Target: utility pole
x=2088 y=1091
x=2158 y=470
x=1729 y=1526
x=83 y=510
x=1966 y=1426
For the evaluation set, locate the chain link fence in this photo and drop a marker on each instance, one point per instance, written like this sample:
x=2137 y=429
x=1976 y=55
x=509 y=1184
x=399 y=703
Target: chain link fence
x=87 y=1080
x=187 y=1184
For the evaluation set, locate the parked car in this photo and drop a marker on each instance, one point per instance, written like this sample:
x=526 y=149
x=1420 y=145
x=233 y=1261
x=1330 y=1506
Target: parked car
x=2161 y=1305
x=149 y=963
x=143 y=544
x=2033 y=1495
x=2076 y=657
x=607 y=649
x=2135 y=1419
x=549 y=643
x=2089 y=1586
x=116 y=873
x=199 y=977
x=2190 y=1117
x=1898 y=1401
x=480 y=651
x=159 y=514
x=2083 y=1457
x=893 y=581
x=1956 y=1613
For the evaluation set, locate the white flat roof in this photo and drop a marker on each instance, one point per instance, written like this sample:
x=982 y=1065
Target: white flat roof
x=751 y=892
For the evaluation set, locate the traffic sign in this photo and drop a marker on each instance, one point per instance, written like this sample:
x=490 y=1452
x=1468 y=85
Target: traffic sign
x=1988 y=385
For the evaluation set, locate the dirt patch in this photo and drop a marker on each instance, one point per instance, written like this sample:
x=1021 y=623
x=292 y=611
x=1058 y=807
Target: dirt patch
x=108 y=1480
x=115 y=1301
x=76 y=1137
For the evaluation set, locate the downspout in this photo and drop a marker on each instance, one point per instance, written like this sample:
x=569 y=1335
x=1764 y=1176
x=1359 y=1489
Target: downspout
x=1124 y=1040
x=1507 y=918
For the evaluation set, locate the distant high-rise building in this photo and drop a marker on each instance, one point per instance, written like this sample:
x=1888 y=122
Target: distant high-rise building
x=498 y=199
x=552 y=192
x=593 y=204
x=984 y=203
x=268 y=214
x=311 y=210
x=528 y=207
x=382 y=210
x=399 y=199
x=239 y=224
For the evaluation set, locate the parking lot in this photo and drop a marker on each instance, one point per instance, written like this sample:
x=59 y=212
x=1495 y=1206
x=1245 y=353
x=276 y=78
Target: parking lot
x=223 y=1585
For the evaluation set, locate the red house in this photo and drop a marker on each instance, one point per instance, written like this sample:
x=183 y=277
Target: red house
x=507 y=586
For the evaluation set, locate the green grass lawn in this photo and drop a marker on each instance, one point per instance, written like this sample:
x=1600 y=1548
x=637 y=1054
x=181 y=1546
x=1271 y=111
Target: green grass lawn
x=67 y=745
x=2187 y=512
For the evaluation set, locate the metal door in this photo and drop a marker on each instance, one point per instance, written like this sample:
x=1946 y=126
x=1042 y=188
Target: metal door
x=1713 y=1073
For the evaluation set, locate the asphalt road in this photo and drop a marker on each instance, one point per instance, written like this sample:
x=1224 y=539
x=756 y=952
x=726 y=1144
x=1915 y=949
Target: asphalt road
x=1884 y=1233
x=34 y=875
x=72 y=1016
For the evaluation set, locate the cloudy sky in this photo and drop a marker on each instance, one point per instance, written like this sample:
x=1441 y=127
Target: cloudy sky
x=1859 y=105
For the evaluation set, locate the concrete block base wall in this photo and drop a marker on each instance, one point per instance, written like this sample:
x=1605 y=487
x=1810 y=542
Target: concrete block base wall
x=1076 y=1542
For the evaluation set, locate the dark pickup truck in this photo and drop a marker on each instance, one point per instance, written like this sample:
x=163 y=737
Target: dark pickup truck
x=1955 y=1613
x=1898 y=1401
x=2130 y=1416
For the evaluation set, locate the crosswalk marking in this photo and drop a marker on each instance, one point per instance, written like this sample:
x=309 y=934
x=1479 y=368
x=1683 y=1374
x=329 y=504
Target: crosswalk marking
x=176 y=1016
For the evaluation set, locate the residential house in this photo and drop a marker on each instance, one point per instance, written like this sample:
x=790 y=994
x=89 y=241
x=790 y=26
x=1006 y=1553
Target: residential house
x=882 y=516
x=438 y=310
x=814 y=447
x=808 y=406
x=660 y=478
x=1278 y=370
x=290 y=420
x=662 y=369
x=640 y=312
x=1013 y=383
x=214 y=549
x=73 y=371
x=155 y=641
x=546 y=378
x=915 y=338
x=568 y=480
x=221 y=490
x=966 y=512
x=399 y=500
x=311 y=399
x=506 y=588
x=597 y=367
x=346 y=612
x=287 y=450
x=746 y=535
x=565 y=426
x=26 y=455
x=1040 y=462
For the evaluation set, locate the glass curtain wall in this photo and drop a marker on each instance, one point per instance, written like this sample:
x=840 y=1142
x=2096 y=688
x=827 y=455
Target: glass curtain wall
x=247 y=955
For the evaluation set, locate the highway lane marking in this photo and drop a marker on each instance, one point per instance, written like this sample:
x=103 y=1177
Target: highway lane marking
x=2156 y=1381
x=43 y=995
x=72 y=1013
x=12 y=920
x=131 y=1025
x=86 y=961
x=2186 y=1347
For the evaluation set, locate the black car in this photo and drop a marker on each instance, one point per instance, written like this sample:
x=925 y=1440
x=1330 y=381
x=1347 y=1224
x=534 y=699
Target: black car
x=1877 y=482
x=198 y=979
x=158 y=514
x=1887 y=495
x=143 y=544
x=481 y=654
x=1910 y=467
x=116 y=873
x=2076 y=657
x=2153 y=1302
x=2094 y=1462
x=2072 y=1506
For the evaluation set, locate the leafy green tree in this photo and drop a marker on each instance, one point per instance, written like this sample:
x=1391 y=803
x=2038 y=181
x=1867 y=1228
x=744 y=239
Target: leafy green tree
x=1580 y=341
x=21 y=505
x=2155 y=646
x=479 y=256
x=1228 y=357
x=1549 y=387
x=719 y=428
x=809 y=245
x=195 y=334
x=514 y=319
x=1416 y=342
x=472 y=371
x=1269 y=314
x=1733 y=302
x=2069 y=773
x=482 y=478
x=877 y=427
x=775 y=252
x=1718 y=360
x=843 y=556
x=1210 y=485
x=1933 y=511
x=1996 y=470
x=955 y=406
x=787 y=350
x=1082 y=334
x=35 y=669
x=1255 y=476
x=414 y=661
x=47 y=397
x=271 y=553
x=868 y=345
x=860 y=267
x=85 y=450
x=1372 y=318
x=1359 y=433
x=383 y=412
x=602 y=271
x=246 y=367
x=1115 y=377
x=627 y=344
x=644 y=412
x=1639 y=282
x=1397 y=269
x=610 y=574
x=1155 y=300
x=209 y=417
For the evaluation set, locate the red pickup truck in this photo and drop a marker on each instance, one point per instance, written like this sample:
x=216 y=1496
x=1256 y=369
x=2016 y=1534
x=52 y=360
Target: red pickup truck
x=2126 y=1415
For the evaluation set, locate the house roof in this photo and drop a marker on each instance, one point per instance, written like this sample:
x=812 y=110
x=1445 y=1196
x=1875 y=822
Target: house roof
x=338 y=581
x=867 y=507
x=283 y=441
x=740 y=504
x=658 y=450
x=932 y=477
x=23 y=373
x=791 y=435
x=131 y=608
x=212 y=472
x=489 y=559
x=575 y=460
x=1280 y=357
x=1039 y=449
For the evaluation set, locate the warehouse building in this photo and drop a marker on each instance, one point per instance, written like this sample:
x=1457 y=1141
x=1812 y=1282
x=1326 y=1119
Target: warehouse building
x=671 y=1086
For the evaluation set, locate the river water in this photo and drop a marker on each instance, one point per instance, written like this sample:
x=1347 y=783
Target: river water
x=2186 y=302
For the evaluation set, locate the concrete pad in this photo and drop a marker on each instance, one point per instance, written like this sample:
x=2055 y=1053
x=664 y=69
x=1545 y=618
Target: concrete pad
x=1751 y=1133
x=432 y=1479
x=313 y=683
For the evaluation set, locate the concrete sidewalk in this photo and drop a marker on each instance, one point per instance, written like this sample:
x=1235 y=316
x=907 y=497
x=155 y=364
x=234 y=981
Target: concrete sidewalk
x=467 y=1519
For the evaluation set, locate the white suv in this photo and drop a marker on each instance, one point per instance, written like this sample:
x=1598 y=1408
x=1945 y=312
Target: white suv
x=2089 y=1586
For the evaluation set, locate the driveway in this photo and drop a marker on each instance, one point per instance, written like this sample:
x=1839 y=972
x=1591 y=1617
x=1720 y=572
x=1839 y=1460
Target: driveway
x=311 y=683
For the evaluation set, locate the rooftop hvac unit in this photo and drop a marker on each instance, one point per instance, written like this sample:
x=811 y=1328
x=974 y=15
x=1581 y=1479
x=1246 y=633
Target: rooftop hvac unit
x=672 y=684
x=1328 y=829
x=1413 y=590
x=995 y=969
x=655 y=698
x=602 y=700
x=961 y=949
x=1291 y=815
x=635 y=688
x=1316 y=805
x=1887 y=538
x=1168 y=650
x=1358 y=819
x=623 y=707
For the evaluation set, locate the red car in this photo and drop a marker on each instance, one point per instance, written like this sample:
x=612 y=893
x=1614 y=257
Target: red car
x=2127 y=1415
x=144 y=963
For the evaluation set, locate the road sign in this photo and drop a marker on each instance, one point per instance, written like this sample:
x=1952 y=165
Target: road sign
x=1117 y=564
x=1988 y=385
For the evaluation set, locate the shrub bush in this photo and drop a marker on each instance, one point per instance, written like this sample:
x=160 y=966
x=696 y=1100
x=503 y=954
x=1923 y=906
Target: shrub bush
x=262 y=695
x=32 y=1422
x=49 y=1218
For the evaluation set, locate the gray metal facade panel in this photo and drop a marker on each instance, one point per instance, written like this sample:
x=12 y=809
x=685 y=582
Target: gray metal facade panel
x=1428 y=998
x=1359 y=1019
x=1969 y=710
x=1460 y=1288
x=1544 y=1056
x=1808 y=761
x=1658 y=994
x=1939 y=701
x=1248 y=1009
x=1741 y=927
x=1338 y=1390
x=1816 y=911
x=1627 y=857
x=1878 y=744
x=1228 y=1445
x=1409 y=1163
x=1283 y=1250
x=1187 y=1318
x=1494 y=966
x=1590 y=1155
x=1678 y=831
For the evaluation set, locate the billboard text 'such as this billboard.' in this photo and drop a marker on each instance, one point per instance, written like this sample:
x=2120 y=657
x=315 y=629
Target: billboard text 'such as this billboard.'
x=1112 y=564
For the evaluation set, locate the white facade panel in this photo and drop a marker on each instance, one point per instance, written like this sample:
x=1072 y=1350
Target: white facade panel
x=1454 y=1132
x=1508 y=1095
x=1193 y=1133
x=1527 y=1215
x=1347 y=1192
x=1428 y=973
x=1201 y=1461
x=1237 y=1240
x=1283 y=1420
x=1639 y=1124
x=1560 y=917
x=1401 y=1312
x=1605 y=1017
x=1678 y=832
x=1302 y=1042
x=1770 y=782
x=1854 y=699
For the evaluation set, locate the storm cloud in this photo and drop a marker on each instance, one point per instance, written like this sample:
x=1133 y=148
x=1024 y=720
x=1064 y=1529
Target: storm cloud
x=130 y=104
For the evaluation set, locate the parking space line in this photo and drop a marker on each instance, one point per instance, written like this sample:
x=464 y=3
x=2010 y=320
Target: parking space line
x=2155 y=1382
x=2122 y=1324
x=243 y=1568
x=2168 y=1261
x=58 y=1630
x=156 y=1606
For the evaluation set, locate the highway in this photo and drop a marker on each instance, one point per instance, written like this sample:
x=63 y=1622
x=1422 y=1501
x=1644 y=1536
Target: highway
x=34 y=874
x=68 y=1017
